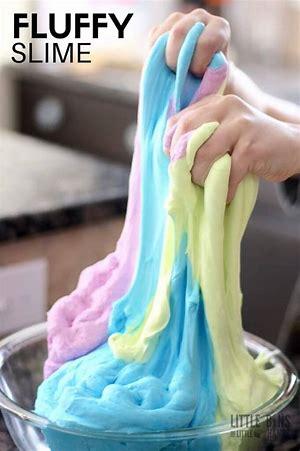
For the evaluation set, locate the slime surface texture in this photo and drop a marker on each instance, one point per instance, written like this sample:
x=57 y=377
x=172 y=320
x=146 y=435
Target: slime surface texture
x=151 y=338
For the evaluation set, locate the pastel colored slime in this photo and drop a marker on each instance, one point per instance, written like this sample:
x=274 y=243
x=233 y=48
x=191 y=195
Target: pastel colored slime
x=151 y=338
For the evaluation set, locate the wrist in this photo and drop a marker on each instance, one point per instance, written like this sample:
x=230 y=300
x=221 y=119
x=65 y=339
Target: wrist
x=239 y=84
x=282 y=110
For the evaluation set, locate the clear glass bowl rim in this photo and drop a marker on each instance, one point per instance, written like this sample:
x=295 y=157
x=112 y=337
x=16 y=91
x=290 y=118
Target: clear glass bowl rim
x=281 y=399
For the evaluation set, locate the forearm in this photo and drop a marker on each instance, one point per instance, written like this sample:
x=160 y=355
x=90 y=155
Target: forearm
x=241 y=85
x=282 y=109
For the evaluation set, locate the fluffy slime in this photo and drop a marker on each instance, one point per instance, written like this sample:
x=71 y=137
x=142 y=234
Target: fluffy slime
x=151 y=339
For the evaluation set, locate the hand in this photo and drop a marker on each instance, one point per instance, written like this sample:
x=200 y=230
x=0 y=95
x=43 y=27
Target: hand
x=258 y=143
x=215 y=37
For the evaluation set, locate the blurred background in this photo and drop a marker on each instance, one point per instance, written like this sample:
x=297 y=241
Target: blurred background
x=66 y=143
x=67 y=133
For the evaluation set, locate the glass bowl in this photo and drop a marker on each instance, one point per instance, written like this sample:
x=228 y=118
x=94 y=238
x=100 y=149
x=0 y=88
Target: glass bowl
x=22 y=357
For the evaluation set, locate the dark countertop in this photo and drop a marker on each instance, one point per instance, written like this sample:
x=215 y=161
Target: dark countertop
x=45 y=187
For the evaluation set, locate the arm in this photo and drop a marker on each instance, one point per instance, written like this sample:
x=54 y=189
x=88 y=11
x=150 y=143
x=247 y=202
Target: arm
x=242 y=86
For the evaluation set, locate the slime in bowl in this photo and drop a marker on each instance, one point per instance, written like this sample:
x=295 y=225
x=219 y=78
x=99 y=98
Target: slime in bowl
x=22 y=356
x=151 y=339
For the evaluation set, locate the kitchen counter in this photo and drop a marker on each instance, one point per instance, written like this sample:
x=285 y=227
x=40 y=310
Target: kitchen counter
x=46 y=187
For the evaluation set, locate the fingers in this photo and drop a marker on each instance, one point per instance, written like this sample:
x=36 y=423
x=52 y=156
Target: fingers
x=214 y=38
x=215 y=107
x=224 y=140
x=220 y=143
x=191 y=118
x=178 y=34
x=190 y=121
x=234 y=135
x=156 y=32
x=186 y=123
x=209 y=99
x=176 y=38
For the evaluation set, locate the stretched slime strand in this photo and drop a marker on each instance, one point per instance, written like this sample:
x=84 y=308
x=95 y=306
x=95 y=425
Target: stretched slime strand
x=175 y=356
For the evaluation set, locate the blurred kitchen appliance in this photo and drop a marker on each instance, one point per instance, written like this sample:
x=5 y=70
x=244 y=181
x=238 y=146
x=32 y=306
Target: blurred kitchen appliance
x=97 y=115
